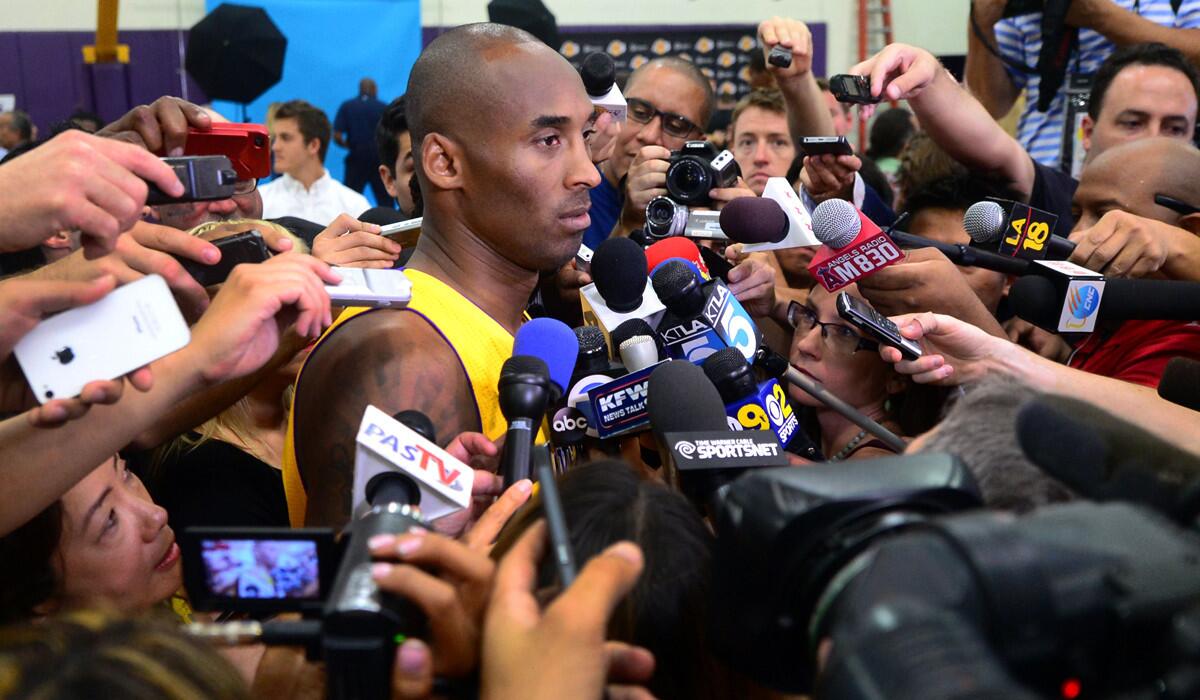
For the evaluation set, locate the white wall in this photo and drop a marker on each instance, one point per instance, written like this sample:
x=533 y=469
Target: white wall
x=938 y=25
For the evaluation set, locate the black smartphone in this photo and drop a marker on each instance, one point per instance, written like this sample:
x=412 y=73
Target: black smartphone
x=204 y=178
x=780 y=57
x=855 y=89
x=258 y=569
x=244 y=247
x=826 y=145
x=875 y=324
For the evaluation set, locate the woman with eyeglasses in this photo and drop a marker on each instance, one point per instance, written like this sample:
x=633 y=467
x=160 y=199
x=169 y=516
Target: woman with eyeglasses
x=828 y=349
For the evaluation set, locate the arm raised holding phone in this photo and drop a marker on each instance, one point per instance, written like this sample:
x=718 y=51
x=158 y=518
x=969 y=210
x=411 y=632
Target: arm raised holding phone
x=240 y=331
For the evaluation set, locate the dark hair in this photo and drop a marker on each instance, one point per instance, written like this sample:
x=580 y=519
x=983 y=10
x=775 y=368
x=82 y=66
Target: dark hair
x=313 y=122
x=890 y=133
x=83 y=115
x=873 y=176
x=689 y=70
x=28 y=577
x=606 y=502
x=758 y=62
x=1151 y=54
x=955 y=192
x=22 y=124
x=90 y=654
x=391 y=124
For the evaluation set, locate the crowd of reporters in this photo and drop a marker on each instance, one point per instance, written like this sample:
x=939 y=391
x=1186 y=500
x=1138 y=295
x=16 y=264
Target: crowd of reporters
x=874 y=547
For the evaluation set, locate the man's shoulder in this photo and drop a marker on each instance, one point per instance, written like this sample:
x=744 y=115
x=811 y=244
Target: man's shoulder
x=387 y=337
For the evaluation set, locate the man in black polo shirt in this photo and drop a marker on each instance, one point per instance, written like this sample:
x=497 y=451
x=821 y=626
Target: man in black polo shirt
x=354 y=130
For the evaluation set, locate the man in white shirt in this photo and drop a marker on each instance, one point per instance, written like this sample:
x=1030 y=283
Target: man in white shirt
x=299 y=140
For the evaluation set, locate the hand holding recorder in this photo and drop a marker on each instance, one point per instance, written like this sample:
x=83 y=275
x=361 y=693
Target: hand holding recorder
x=78 y=181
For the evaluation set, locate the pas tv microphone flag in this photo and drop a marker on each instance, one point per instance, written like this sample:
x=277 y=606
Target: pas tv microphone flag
x=386 y=445
x=854 y=246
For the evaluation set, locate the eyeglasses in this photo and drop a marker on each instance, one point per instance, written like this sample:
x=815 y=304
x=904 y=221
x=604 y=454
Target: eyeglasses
x=1182 y=208
x=245 y=186
x=837 y=337
x=673 y=124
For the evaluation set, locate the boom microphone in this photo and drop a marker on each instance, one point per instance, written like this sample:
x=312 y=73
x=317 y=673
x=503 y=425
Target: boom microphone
x=1086 y=302
x=1104 y=458
x=1180 y=383
x=761 y=226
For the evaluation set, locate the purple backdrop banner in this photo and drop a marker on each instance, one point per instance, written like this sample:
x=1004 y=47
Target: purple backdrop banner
x=46 y=72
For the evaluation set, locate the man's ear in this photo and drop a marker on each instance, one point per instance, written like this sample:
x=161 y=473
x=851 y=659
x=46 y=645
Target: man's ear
x=1190 y=223
x=442 y=159
x=1088 y=125
x=389 y=181
x=313 y=147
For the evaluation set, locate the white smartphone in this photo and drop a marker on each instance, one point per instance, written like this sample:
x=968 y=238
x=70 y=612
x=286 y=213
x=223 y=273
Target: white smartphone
x=401 y=229
x=366 y=287
x=131 y=327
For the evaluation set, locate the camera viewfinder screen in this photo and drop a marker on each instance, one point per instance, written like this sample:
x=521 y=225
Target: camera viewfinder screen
x=258 y=569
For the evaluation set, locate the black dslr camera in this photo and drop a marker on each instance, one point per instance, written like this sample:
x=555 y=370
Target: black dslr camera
x=696 y=169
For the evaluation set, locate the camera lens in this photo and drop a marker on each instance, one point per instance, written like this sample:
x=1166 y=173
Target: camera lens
x=689 y=181
x=665 y=218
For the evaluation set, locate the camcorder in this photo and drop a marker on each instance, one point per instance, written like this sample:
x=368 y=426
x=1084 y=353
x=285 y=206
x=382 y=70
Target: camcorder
x=920 y=598
x=666 y=218
x=694 y=170
x=348 y=622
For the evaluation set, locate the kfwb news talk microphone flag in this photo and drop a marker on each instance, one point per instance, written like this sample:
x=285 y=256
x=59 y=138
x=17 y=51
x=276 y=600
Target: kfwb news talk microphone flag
x=387 y=445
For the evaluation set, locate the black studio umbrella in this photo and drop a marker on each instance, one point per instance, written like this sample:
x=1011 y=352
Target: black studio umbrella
x=235 y=53
x=530 y=15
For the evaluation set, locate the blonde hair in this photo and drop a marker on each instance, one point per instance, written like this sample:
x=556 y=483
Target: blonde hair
x=234 y=421
x=93 y=653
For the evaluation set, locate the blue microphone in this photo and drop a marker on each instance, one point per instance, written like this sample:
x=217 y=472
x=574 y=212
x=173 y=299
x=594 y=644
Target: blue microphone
x=555 y=344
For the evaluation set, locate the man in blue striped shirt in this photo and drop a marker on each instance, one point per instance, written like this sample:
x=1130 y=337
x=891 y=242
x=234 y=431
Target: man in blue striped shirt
x=1002 y=56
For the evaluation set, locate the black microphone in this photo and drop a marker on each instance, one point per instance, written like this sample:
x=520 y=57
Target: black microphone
x=1040 y=301
x=524 y=396
x=599 y=74
x=688 y=420
x=1104 y=458
x=754 y=220
x=1180 y=383
x=620 y=290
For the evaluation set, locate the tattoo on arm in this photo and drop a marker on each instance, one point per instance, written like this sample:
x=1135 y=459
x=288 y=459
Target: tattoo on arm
x=394 y=361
